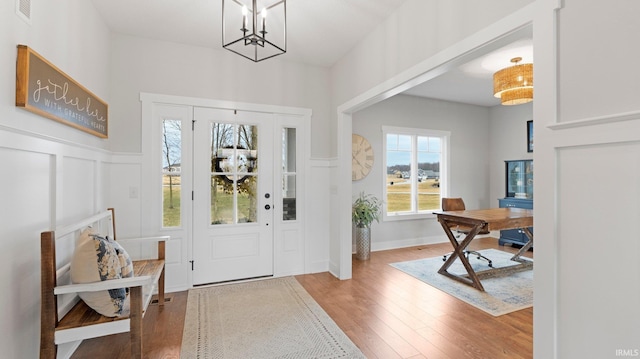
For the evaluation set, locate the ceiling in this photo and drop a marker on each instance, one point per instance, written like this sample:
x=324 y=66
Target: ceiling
x=472 y=82
x=320 y=32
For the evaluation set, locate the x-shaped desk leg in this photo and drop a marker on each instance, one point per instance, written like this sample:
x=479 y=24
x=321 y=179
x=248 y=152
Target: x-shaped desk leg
x=458 y=251
x=525 y=247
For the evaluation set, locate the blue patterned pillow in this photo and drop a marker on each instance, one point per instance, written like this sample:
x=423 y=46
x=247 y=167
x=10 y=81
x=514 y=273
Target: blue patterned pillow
x=126 y=266
x=98 y=258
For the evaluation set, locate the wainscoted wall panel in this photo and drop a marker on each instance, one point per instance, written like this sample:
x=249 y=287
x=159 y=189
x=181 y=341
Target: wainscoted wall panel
x=175 y=277
x=587 y=187
x=595 y=237
x=26 y=200
x=79 y=183
x=174 y=251
x=318 y=207
x=48 y=183
x=123 y=174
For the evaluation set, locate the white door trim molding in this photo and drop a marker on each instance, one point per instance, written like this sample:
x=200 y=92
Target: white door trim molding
x=545 y=109
x=149 y=225
x=229 y=105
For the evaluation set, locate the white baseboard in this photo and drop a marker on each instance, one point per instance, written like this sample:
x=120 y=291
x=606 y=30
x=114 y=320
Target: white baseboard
x=178 y=288
x=409 y=242
x=420 y=241
x=334 y=269
x=318 y=267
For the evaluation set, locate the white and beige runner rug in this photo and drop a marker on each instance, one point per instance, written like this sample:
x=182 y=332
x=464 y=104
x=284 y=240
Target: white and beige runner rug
x=274 y=318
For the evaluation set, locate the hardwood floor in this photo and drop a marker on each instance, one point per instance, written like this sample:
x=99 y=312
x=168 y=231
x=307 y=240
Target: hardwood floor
x=162 y=334
x=386 y=313
x=389 y=314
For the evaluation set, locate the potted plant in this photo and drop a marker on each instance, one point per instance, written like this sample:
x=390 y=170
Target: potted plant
x=366 y=208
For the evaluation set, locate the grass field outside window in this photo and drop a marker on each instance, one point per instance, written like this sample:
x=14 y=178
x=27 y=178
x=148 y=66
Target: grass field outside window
x=415 y=169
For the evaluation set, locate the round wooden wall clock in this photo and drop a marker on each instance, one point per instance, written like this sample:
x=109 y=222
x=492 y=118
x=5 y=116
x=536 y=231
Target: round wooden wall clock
x=361 y=157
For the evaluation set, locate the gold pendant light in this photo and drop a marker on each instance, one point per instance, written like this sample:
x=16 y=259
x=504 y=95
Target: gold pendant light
x=514 y=85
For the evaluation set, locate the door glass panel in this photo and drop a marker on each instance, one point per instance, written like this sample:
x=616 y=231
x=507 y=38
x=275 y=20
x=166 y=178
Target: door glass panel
x=289 y=149
x=171 y=158
x=247 y=147
x=289 y=198
x=221 y=201
x=234 y=165
x=247 y=201
x=289 y=174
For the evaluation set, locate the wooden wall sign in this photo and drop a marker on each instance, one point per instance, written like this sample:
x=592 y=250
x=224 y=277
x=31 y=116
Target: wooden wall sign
x=43 y=89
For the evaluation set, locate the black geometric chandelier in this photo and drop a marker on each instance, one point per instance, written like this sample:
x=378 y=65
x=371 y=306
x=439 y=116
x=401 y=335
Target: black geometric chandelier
x=250 y=33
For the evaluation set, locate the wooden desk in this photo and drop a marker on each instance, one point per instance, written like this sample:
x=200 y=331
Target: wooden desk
x=491 y=219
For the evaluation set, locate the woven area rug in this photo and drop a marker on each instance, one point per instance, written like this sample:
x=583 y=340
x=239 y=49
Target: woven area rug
x=503 y=294
x=274 y=318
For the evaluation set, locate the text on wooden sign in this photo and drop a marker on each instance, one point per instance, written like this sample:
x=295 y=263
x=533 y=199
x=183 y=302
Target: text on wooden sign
x=43 y=89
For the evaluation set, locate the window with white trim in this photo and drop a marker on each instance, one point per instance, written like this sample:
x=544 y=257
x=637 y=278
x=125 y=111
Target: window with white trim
x=415 y=171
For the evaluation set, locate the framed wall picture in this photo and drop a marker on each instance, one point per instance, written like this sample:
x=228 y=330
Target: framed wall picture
x=530 y=136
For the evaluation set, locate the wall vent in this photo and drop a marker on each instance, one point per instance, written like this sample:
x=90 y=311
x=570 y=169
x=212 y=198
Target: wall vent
x=23 y=9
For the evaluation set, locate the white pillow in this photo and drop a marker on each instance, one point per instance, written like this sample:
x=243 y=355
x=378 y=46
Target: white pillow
x=97 y=259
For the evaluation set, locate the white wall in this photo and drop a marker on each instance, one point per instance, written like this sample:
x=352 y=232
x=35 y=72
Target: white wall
x=469 y=159
x=70 y=35
x=46 y=182
x=142 y=65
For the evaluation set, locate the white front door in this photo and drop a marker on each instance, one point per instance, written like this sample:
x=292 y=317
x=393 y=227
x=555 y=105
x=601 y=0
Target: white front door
x=233 y=195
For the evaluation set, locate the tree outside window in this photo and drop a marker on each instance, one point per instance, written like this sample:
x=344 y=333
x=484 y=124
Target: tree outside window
x=171 y=171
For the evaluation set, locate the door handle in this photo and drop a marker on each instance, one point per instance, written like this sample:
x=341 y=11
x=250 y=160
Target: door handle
x=267 y=207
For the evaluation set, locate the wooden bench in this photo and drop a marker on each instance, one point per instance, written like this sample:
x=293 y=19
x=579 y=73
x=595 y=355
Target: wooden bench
x=65 y=318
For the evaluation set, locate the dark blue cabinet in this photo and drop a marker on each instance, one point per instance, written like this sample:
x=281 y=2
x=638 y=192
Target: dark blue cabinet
x=518 y=194
x=514 y=236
